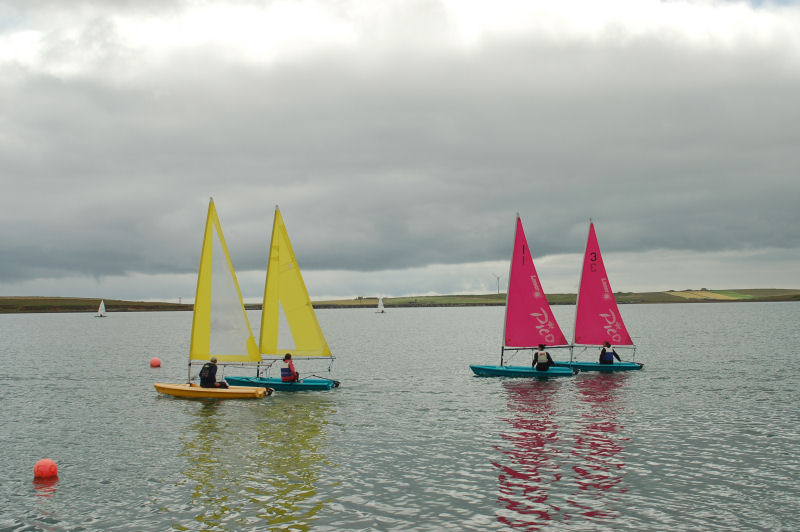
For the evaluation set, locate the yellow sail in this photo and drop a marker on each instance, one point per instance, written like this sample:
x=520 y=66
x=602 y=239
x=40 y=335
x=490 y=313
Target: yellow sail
x=220 y=326
x=286 y=290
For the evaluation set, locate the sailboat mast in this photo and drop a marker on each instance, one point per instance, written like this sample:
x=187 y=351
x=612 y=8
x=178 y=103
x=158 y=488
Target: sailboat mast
x=508 y=289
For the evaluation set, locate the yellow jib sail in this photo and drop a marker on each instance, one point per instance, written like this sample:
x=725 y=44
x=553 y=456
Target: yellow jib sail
x=220 y=326
x=286 y=290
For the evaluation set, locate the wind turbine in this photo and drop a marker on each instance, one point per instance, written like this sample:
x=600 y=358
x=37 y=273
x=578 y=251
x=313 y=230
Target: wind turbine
x=498 y=282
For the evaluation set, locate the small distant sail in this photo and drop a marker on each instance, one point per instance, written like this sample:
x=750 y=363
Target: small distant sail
x=101 y=310
x=529 y=319
x=220 y=326
x=597 y=317
x=286 y=296
x=381 y=309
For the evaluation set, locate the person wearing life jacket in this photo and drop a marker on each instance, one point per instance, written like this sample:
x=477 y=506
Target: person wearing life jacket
x=208 y=375
x=607 y=354
x=541 y=359
x=288 y=373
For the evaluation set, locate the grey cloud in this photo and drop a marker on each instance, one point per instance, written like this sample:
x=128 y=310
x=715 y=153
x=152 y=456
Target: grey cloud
x=400 y=159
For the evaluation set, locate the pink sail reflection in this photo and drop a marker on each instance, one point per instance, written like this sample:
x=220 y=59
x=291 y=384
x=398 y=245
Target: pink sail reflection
x=533 y=462
x=598 y=446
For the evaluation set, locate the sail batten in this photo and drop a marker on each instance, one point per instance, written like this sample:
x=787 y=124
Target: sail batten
x=529 y=319
x=285 y=289
x=597 y=316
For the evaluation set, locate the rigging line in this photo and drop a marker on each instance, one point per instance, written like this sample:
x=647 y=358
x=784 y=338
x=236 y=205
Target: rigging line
x=334 y=381
x=516 y=352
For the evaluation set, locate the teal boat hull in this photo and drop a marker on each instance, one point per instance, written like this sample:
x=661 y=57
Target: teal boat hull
x=279 y=385
x=520 y=371
x=595 y=366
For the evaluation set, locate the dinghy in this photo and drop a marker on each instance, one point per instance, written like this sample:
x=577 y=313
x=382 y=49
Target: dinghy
x=220 y=327
x=597 y=317
x=529 y=320
x=304 y=384
x=286 y=300
x=519 y=371
x=101 y=310
x=194 y=391
x=381 y=309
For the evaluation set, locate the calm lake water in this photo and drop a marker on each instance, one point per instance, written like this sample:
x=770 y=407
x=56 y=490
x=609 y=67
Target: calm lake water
x=705 y=437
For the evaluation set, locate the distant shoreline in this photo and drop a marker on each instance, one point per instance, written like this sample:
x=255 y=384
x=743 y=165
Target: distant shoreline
x=25 y=305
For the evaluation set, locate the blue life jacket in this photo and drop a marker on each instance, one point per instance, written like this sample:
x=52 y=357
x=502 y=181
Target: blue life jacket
x=607 y=357
x=287 y=375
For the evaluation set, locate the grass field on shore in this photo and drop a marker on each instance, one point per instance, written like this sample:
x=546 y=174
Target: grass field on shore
x=11 y=305
x=681 y=296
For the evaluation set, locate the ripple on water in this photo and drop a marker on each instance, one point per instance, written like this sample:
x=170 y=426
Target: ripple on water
x=411 y=441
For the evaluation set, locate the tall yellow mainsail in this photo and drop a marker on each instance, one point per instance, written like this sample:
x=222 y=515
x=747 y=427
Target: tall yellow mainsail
x=220 y=326
x=285 y=289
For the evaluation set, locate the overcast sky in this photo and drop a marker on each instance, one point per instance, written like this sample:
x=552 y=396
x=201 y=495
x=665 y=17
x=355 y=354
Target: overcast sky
x=400 y=138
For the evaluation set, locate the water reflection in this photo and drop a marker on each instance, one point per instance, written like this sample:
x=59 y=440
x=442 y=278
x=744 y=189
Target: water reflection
x=45 y=487
x=257 y=464
x=598 y=445
x=533 y=463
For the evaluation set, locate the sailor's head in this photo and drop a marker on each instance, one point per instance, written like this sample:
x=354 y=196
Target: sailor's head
x=287 y=356
x=541 y=346
x=213 y=360
x=606 y=344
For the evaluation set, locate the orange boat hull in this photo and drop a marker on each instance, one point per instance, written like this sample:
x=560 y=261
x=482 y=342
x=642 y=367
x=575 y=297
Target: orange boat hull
x=194 y=391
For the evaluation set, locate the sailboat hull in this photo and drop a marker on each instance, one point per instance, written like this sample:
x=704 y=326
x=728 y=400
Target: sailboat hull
x=594 y=366
x=193 y=391
x=520 y=371
x=277 y=384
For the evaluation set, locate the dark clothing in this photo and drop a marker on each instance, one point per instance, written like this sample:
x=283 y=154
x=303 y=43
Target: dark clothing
x=208 y=377
x=540 y=362
x=607 y=356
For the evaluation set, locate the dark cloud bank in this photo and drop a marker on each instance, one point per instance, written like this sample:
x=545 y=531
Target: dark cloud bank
x=396 y=158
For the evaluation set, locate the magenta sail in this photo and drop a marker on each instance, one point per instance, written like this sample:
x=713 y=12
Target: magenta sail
x=529 y=319
x=597 y=318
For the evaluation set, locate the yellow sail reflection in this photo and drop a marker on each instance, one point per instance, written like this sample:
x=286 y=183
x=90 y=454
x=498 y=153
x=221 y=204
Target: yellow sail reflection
x=255 y=467
x=207 y=469
x=293 y=451
x=285 y=289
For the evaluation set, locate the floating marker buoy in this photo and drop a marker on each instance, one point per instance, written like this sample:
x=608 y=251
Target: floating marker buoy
x=45 y=468
x=155 y=362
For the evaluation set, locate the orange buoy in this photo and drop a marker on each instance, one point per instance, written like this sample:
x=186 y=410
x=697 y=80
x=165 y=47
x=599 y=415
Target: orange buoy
x=155 y=362
x=45 y=468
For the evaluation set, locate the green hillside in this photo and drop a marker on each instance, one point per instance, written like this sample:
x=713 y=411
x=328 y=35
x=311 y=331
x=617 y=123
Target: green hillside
x=76 y=304
x=682 y=296
x=9 y=305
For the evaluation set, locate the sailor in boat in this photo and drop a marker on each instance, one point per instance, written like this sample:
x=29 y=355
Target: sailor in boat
x=607 y=354
x=288 y=373
x=542 y=360
x=208 y=375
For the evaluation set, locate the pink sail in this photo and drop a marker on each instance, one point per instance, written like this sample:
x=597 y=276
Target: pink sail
x=597 y=317
x=529 y=319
